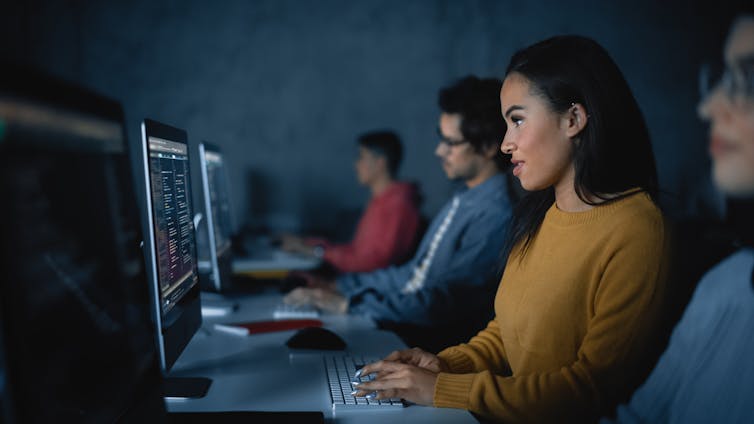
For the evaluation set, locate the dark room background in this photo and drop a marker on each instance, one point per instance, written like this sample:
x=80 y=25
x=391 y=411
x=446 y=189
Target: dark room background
x=285 y=86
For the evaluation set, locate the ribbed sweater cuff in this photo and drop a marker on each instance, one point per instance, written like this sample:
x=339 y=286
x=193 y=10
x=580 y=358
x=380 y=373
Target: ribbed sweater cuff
x=452 y=390
x=457 y=361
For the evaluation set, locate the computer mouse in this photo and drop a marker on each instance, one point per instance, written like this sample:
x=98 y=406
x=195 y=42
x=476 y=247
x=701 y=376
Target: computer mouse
x=316 y=338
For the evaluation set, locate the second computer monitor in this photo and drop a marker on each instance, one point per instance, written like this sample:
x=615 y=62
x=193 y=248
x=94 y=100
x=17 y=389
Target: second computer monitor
x=170 y=246
x=217 y=208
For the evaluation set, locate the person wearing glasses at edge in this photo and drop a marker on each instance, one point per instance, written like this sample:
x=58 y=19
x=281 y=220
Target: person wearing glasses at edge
x=706 y=374
x=587 y=267
x=446 y=289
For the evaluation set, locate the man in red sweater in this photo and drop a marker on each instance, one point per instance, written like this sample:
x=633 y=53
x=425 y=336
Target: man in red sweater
x=389 y=228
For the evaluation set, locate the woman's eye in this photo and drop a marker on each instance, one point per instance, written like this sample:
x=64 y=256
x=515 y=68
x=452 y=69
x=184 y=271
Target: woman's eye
x=517 y=121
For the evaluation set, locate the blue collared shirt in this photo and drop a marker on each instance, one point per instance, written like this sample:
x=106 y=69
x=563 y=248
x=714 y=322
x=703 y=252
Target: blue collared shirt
x=461 y=281
x=706 y=375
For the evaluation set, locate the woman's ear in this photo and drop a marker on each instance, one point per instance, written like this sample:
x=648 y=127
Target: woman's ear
x=575 y=119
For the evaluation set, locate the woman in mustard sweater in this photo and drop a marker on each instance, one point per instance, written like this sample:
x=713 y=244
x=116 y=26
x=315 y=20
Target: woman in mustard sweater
x=582 y=285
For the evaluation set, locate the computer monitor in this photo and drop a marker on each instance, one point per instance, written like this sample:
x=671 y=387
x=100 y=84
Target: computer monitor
x=76 y=342
x=171 y=247
x=218 y=216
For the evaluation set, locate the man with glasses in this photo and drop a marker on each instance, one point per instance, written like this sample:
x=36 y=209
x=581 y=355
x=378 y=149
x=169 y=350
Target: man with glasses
x=444 y=294
x=707 y=372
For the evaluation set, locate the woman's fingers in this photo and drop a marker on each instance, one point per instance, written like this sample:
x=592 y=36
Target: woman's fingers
x=419 y=358
x=382 y=366
x=412 y=356
x=390 y=382
x=405 y=381
x=382 y=394
x=394 y=356
x=402 y=355
x=379 y=395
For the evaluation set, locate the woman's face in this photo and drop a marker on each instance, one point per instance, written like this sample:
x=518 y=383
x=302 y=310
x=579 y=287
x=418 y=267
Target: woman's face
x=537 y=138
x=732 y=119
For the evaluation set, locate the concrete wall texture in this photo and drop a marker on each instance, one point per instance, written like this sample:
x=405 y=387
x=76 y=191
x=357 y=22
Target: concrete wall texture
x=284 y=86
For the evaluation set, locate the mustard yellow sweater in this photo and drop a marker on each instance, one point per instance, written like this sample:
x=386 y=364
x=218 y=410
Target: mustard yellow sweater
x=573 y=317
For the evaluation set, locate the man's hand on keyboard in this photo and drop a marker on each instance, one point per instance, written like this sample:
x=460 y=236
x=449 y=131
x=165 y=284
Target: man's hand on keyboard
x=292 y=243
x=419 y=358
x=398 y=380
x=327 y=300
x=315 y=281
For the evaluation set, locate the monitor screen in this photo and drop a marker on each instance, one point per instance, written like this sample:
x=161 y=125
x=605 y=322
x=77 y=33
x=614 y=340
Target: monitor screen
x=173 y=224
x=78 y=344
x=219 y=201
x=171 y=252
x=217 y=207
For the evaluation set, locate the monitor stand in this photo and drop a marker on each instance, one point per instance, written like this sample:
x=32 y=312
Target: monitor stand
x=186 y=387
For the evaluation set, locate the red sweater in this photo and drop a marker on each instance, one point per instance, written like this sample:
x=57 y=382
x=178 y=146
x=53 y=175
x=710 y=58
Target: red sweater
x=386 y=234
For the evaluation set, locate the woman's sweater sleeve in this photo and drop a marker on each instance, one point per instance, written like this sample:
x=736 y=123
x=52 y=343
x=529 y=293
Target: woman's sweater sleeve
x=622 y=312
x=484 y=351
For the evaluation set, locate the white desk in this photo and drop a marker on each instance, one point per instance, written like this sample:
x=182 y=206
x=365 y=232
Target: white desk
x=259 y=373
x=270 y=261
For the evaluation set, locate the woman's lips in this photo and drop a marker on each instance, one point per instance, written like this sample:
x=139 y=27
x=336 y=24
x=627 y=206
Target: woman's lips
x=517 y=167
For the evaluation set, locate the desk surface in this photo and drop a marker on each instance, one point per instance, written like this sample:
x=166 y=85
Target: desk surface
x=267 y=261
x=258 y=372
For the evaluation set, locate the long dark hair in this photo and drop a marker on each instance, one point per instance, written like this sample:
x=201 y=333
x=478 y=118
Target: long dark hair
x=614 y=152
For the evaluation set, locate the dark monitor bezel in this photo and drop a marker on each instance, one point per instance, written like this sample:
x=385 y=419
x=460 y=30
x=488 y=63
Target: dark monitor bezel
x=177 y=327
x=221 y=265
x=50 y=111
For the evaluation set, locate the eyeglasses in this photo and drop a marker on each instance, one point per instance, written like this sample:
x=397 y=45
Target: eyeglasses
x=449 y=142
x=737 y=84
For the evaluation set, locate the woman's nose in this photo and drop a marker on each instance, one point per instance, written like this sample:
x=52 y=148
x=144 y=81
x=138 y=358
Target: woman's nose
x=506 y=146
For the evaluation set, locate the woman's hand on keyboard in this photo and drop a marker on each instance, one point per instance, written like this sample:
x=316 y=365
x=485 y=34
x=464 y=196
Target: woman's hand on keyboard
x=398 y=380
x=419 y=358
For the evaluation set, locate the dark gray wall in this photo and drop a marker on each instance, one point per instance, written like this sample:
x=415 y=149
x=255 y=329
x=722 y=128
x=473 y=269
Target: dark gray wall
x=284 y=86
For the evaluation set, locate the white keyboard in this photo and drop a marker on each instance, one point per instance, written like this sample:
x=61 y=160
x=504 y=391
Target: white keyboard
x=283 y=311
x=340 y=373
